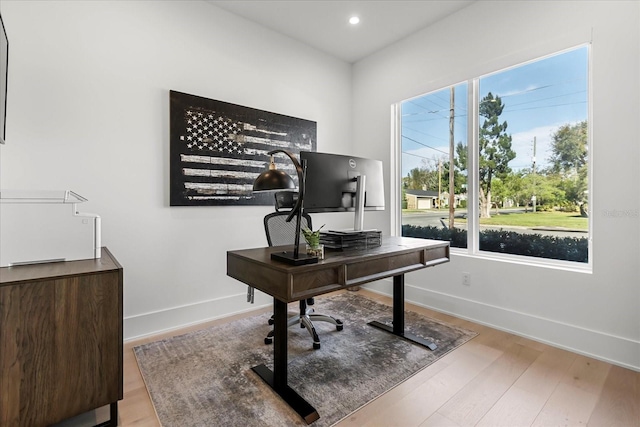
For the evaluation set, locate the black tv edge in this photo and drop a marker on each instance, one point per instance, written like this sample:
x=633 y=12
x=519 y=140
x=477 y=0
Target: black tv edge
x=4 y=79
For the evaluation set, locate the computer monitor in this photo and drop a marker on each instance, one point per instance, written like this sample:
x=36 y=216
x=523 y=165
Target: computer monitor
x=333 y=182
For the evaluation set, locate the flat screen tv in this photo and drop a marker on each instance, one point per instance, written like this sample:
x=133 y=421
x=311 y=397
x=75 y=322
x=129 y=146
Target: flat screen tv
x=332 y=181
x=4 y=61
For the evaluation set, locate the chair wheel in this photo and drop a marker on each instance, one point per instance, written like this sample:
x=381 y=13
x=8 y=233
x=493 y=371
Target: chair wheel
x=316 y=345
x=339 y=327
x=268 y=340
x=271 y=321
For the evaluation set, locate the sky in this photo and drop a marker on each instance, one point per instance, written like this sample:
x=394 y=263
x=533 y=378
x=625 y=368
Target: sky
x=539 y=97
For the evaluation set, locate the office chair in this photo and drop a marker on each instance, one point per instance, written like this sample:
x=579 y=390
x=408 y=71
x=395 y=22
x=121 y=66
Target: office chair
x=280 y=232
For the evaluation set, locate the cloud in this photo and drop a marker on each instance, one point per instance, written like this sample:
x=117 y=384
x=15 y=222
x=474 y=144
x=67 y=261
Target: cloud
x=522 y=144
x=422 y=157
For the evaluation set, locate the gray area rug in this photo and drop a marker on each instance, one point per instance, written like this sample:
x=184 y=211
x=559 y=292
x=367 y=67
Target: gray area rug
x=204 y=378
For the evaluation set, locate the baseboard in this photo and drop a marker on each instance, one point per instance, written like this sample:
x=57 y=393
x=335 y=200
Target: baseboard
x=595 y=344
x=160 y=321
x=609 y=348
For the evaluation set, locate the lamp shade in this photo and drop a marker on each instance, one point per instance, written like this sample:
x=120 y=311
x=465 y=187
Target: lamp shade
x=273 y=179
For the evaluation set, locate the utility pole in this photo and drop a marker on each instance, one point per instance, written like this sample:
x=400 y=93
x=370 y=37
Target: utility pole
x=452 y=187
x=439 y=182
x=533 y=198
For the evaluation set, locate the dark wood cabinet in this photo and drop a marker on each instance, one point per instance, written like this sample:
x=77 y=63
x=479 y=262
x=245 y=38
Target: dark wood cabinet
x=61 y=340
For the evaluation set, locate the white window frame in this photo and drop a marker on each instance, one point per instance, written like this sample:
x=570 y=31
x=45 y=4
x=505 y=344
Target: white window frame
x=473 y=242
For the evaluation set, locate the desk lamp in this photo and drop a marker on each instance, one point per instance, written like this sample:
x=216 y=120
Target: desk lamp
x=274 y=179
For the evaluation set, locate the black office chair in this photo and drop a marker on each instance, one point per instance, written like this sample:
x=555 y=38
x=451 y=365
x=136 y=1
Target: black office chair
x=280 y=232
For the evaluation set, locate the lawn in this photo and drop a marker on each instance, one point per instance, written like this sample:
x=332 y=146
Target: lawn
x=571 y=220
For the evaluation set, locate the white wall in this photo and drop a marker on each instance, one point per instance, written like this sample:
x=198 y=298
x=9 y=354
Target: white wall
x=89 y=111
x=596 y=314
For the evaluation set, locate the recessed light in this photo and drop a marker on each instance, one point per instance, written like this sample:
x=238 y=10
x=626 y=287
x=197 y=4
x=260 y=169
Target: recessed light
x=354 y=20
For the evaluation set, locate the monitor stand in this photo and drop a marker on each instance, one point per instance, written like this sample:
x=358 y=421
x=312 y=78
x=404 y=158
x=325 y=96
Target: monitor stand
x=358 y=223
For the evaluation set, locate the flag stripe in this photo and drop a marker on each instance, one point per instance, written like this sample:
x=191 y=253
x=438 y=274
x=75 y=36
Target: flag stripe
x=216 y=173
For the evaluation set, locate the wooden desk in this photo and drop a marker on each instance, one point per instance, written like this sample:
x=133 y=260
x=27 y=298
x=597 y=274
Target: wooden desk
x=60 y=340
x=286 y=283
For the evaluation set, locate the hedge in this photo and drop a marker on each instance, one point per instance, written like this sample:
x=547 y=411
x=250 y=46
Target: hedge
x=509 y=242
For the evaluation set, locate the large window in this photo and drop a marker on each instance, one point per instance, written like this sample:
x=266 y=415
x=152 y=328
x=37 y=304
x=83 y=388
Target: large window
x=500 y=164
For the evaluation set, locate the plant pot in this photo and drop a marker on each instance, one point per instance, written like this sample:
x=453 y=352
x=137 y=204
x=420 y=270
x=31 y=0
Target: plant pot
x=316 y=250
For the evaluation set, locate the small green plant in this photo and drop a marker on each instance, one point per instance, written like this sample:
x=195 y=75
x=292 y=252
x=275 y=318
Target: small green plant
x=312 y=237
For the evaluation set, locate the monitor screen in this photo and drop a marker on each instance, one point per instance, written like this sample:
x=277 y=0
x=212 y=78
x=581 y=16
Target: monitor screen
x=330 y=182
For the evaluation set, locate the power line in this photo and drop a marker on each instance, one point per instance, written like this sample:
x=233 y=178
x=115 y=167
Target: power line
x=425 y=145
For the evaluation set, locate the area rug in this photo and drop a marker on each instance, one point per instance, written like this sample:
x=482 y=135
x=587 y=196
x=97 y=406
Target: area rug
x=204 y=378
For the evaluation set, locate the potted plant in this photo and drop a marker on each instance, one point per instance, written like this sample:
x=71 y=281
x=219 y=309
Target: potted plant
x=314 y=247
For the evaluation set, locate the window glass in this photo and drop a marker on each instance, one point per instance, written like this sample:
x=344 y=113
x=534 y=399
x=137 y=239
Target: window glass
x=533 y=159
x=434 y=137
x=531 y=148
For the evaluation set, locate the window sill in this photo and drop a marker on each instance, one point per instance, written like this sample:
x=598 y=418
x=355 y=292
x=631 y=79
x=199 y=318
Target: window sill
x=575 y=267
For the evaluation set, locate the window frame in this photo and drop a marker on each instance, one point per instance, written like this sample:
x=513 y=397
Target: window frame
x=473 y=134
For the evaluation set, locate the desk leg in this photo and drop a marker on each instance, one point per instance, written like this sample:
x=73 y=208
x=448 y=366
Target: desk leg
x=398 y=316
x=277 y=379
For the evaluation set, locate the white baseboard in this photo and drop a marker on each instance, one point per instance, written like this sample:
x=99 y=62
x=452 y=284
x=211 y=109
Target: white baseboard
x=156 y=322
x=595 y=344
x=612 y=349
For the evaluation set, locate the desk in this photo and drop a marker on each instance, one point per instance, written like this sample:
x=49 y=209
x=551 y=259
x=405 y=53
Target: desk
x=286 y=283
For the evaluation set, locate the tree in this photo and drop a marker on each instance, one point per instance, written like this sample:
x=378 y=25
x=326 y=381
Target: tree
x=422 y=178
x=495 y=149
x=569 y=158
x=459 y=179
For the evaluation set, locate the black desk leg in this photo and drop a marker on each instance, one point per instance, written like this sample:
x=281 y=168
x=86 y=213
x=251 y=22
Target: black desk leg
x=277 y=379
x=113 y=416
x=398 y=316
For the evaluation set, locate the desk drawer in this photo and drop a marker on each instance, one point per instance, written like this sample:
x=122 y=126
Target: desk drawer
x=375 y=269
x=317 y=282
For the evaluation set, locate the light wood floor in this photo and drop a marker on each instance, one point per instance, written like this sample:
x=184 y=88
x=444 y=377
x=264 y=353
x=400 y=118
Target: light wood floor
x=496 y=379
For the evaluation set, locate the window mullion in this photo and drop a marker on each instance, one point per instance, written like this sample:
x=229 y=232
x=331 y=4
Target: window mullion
x=473 y=166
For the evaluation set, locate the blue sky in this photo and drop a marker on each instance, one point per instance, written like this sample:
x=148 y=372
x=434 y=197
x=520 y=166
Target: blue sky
x=539 y=97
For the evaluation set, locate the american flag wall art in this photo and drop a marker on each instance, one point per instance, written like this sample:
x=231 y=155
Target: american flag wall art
x=218 y=149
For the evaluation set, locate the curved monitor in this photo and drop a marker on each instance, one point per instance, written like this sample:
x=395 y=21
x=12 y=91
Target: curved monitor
x=331 y=183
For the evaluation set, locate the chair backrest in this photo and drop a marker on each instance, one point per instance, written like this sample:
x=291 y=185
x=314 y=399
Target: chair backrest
x=280 y=232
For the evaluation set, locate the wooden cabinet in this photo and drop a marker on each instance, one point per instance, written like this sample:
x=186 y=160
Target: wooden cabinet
x=60 y=340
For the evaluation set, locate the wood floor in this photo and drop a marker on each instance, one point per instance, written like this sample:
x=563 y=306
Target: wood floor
x=496 y=379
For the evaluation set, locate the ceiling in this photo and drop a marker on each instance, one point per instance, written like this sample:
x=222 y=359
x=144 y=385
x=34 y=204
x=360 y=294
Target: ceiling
x=324 y=24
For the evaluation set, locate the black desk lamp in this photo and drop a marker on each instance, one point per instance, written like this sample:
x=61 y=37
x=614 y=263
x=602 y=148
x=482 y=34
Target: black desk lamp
x=274 y=179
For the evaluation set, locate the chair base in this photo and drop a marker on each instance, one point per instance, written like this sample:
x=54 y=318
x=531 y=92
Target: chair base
x=305 y=320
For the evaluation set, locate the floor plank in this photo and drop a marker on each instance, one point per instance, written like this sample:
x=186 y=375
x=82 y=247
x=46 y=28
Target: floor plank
x=495 y=379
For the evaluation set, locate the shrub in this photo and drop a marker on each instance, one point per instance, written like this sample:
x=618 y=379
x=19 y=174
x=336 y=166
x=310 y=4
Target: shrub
x=509 y=242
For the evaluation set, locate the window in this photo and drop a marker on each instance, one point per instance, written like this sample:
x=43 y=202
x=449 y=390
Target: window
x=500 y=164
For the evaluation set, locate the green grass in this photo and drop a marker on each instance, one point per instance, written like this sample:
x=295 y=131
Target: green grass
x=570 y=220
x=539 y=219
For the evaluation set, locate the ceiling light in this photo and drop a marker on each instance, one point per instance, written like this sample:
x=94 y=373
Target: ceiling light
x=354 y=20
